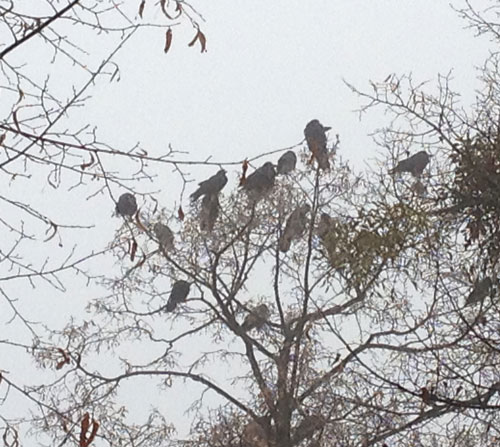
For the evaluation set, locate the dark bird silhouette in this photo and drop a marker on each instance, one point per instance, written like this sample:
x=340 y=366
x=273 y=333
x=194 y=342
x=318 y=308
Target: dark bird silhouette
x=127 y=205
x=209 y=212
x=286 y=163
x=414 y=164
x=164 y=235
x=315 y=134
x=480 y=291
x=257 y=317
x=213 y=185
x=179 y=294
x=295 y=226
x=325 y=224
x=261 y=180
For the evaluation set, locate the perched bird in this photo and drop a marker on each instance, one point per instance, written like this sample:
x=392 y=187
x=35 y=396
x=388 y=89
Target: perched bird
x=315 y=134
x=164 y=235
x=334 y=234
x=480 y=291
x=213 y=185
x=307 y=427
x=295 y=226
x=414 y=164
x=179 y=294
x=324 y=225
x=286 y=163
x=257 y=317
x=261 y=180
x=127 y=205
x=209 y=212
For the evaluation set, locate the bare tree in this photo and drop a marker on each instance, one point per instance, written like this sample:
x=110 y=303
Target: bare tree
x=377 y=326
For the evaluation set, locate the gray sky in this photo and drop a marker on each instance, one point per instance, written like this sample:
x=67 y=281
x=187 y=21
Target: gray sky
x=271 y=66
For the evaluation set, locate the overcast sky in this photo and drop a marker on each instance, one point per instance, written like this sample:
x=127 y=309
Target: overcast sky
x=271 y=66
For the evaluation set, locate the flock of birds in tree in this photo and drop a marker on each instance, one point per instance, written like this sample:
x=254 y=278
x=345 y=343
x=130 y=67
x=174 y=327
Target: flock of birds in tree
x=256 y=185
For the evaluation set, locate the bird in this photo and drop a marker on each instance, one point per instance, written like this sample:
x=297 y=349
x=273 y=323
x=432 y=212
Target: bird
x=294 y=228
x=213 y=185
x=209 y=212
x=324 y=225
x=164 y=235
x=257 y=317
x=261 y=180
x=315 y=134
x=414 y=164
x=480 y=291
x=178 y=294
x=127 y=205
x=286 y=163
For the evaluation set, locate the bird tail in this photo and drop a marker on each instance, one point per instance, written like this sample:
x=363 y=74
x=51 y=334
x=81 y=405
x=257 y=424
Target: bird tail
x=171 y=305
x=194 y=197
x=284 y=244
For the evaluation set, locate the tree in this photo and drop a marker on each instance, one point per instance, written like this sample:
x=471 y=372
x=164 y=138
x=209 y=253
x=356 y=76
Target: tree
x=358 y=334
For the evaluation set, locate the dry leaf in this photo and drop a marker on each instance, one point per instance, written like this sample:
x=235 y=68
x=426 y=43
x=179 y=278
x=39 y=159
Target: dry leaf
x=203 y=41
x=168 y=40
x=133 y=250
x=244 y=168
x=84 y=428
x=16 y=122
x=164 y=10
x=84 y=166
x=140 y=225
x=141 y=8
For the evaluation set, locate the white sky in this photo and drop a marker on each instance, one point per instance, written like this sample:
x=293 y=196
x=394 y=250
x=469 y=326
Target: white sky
x=271 y=66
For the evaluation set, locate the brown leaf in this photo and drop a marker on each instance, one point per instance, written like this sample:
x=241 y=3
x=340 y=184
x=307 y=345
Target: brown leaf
x=60 y=364
x=16 y=122
x=133 y=250
x=21 y=96
x=95 y=427
x=180 y=213
x=168 y=40
x=84 y=427
x=244 y=168
x=65 y=360
x=190 y=44
x=162 y=5
x=141 y=8
x=84 y=166
x=203 y=41
x=2 y=138
x=140 y=225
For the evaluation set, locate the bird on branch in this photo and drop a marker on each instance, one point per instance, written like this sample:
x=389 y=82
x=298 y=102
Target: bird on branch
x=415 y=164
x=315 y=134
x=213 y=185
